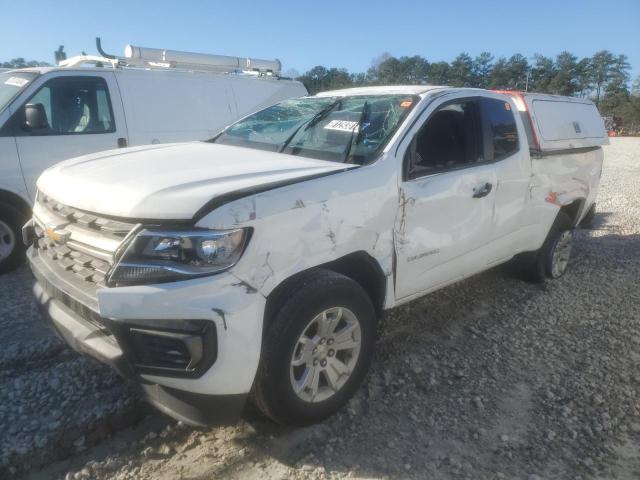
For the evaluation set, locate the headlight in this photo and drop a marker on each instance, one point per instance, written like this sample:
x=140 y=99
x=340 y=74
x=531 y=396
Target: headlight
x=156 y=256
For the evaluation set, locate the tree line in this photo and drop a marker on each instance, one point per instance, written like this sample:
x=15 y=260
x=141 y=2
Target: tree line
x=603 y=77
x=22 y=63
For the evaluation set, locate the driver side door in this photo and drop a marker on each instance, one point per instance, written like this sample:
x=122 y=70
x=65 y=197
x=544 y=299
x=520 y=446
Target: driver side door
x=447 y=194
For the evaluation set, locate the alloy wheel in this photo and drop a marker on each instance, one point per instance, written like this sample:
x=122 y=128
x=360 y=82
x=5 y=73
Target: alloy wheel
x=325 y=354
x=561 y=254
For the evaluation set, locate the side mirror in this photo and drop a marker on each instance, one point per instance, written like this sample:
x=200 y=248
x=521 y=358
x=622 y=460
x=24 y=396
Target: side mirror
x=35 y=117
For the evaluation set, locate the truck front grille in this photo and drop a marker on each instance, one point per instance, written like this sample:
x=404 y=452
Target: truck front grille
x=110 y=228
x=83 y=266
x=78 y=246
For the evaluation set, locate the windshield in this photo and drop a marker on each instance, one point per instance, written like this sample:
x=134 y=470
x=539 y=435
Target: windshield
x=12 y=83
x=340 y=129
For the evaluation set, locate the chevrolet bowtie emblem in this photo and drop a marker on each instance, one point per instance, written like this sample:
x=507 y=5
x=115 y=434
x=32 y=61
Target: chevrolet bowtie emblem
x=58 y=236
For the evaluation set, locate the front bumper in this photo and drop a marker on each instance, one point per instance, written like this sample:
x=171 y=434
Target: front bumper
x=205 y=398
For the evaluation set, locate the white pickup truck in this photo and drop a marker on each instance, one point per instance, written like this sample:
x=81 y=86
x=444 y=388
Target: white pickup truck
x=255 y=264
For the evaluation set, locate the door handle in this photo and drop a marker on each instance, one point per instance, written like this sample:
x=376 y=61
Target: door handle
x=482 y=191
x=122 y=142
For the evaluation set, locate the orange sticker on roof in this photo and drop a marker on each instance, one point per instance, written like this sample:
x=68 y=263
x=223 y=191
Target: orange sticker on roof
x=406 y=103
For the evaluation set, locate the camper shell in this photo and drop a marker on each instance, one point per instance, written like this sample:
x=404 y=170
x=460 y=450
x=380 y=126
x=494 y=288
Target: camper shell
x=560 y=123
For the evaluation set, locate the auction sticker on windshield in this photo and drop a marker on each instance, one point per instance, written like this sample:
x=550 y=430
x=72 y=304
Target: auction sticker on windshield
x=342 y=125
x=16 y=82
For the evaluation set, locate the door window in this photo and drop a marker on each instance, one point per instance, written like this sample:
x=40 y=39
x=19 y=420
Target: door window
x=501 y=129
x=70 y=105
x=450 y=139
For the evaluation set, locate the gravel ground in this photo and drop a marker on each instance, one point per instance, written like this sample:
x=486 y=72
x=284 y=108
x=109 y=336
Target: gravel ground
x=490 y=378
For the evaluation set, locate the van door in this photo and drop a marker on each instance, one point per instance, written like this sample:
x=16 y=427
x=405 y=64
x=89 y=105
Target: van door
x=10 y=173
x=69 y=115
x=446 y=200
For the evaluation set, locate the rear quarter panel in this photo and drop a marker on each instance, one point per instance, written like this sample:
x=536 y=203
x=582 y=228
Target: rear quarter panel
x=559 y=180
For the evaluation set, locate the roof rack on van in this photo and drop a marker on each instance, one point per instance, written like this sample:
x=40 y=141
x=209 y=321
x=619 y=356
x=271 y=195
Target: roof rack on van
x=156 y=58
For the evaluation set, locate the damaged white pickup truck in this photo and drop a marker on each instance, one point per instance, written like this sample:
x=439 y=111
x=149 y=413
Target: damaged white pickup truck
x=254 y=265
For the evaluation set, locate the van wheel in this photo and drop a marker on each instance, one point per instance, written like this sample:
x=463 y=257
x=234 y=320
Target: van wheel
x=11 y=247
x=552 y=259
x=316 y=351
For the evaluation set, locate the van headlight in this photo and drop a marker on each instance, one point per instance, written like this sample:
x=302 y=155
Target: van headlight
x=157 y=256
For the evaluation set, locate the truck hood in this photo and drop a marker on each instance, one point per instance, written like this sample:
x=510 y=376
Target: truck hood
x=172 y=181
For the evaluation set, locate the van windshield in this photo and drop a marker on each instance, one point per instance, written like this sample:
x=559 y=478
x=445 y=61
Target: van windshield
x=11 y=84
x=341 y=129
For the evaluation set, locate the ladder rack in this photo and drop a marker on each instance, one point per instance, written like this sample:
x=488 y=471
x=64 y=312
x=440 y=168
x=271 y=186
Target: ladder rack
x=161 y=59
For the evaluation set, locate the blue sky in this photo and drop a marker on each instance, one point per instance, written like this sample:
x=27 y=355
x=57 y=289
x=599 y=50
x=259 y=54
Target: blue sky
x=343 y=33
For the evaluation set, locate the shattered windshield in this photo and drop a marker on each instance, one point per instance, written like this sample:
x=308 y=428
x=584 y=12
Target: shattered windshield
x=340 y=129
x=12 y=83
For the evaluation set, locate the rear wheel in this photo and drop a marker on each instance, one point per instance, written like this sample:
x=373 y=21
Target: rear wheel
x=317 y=350
x=552 y=259
x=11 y=247
x=559 y=254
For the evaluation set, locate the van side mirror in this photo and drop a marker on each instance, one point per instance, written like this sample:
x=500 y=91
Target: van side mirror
x=35 y=117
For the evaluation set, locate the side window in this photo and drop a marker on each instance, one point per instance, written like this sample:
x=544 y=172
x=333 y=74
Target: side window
x=449 y=139
x=501 y=129
x=104 y=107
x=43 y=97
x=69 y=105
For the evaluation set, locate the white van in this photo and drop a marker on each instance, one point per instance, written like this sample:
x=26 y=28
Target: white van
x=256 y=264
x=49 y=114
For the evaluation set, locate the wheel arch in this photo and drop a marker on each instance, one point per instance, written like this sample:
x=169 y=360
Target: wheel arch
x=358 y=266
x=574 y=210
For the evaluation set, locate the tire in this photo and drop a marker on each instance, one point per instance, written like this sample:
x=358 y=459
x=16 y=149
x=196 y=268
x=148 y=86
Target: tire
x=294 y=337
x=11 y=246
x=551 y=260
x=588 y=220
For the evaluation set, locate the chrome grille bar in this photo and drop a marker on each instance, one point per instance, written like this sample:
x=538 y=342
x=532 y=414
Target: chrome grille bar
x=79 y=244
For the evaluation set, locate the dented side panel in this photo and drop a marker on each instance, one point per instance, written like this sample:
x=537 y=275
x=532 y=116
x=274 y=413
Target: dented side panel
x=441 y=229
x=310 y=223
x=557 y=181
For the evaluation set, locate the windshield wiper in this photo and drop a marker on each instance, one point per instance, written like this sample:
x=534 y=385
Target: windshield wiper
x=357 y=138
x=314 y=120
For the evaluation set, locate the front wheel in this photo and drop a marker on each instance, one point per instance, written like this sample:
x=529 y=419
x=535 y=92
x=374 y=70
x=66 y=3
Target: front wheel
x=11 y=247
x=317 y=350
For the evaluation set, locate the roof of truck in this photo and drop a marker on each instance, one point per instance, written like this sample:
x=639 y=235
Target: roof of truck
x=381 y=90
